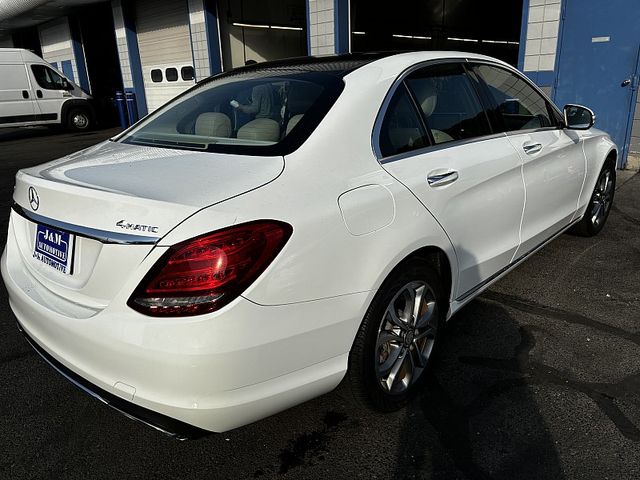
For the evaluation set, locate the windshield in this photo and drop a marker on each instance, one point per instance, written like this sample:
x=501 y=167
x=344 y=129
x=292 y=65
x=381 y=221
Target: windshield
x=260 y=112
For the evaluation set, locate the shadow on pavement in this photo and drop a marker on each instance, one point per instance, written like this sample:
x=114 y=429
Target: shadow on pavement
x=487 y=423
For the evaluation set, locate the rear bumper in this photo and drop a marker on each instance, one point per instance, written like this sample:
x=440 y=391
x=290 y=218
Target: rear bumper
x=166 y=425
x=214 y=372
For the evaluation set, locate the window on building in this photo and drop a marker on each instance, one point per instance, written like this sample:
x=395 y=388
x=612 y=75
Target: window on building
x=187 y=73
x=156 y=75
x=48 y=78
x=402 y=129
x=519 y=105
x=171 y=74
x=449 y=103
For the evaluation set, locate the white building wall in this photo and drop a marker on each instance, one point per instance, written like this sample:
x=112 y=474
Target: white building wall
x=121 y=41
x=322 y=27
x=542 y=35
x=55 y=40
x=199 y=46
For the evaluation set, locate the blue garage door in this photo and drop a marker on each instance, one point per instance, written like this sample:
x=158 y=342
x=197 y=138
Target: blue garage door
x=598 y=63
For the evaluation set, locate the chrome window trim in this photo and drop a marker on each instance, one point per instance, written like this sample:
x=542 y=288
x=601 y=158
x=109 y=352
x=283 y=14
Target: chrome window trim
x=102 y=236
x=382 y=111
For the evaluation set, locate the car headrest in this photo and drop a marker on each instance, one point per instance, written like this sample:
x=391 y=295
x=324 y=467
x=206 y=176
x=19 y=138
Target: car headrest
x=263 y=129
x=213 y=124
x=427 y=95
x=293 y=121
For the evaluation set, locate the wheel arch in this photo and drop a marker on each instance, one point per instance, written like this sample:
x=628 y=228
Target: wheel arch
x=75 y=103
x=438 y=259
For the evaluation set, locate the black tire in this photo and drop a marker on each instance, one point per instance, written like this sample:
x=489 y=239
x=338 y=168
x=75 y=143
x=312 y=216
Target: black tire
x=600 y=203
x=368 y=356
x=79 y=120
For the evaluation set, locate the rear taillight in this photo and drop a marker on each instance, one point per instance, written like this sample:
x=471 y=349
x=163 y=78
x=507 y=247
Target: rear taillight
x=203 y=274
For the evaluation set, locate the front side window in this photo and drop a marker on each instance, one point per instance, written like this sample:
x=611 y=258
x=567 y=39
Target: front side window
x=257 y=112
x=449 y=103
x=48 y=78
x=519 y=105
x=401 y=130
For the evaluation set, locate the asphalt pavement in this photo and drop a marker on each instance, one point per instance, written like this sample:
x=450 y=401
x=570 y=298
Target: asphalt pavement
x=537 y=378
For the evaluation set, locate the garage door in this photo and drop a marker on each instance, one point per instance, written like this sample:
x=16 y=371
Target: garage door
x=165 y=49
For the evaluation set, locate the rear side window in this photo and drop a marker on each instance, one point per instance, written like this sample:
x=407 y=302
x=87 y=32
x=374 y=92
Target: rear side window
x=402 y=129
x=47 y=78
x=449 y=103
x=519 y=105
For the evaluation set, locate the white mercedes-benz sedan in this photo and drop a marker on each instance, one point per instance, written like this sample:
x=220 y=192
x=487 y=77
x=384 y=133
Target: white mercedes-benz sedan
x=284 y=226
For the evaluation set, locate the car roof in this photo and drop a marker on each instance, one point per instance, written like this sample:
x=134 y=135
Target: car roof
x=344 y=64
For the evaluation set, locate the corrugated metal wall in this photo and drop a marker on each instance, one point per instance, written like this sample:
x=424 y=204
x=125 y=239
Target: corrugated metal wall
x=55 y=39
x=164 y=42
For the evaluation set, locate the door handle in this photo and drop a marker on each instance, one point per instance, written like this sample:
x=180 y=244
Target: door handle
x=25 y=94
x=438 y=177
x=531 y=148
x=39 y=93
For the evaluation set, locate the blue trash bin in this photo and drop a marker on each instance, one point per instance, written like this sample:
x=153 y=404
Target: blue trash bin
x=122 y=110
x=132 y=107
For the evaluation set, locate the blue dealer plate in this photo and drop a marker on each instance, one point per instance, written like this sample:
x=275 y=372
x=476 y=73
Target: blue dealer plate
x=55 y=248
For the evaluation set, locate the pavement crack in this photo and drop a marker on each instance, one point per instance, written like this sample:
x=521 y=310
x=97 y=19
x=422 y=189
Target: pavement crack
x=534 y=308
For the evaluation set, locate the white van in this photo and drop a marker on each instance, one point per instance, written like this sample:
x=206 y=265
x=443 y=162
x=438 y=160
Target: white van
x=32 y=92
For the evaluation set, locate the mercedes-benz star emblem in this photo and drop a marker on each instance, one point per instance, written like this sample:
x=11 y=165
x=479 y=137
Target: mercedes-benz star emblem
x=34 y=200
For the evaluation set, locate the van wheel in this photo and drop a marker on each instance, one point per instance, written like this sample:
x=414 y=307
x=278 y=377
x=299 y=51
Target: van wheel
x=79 y=119
x=397 y=338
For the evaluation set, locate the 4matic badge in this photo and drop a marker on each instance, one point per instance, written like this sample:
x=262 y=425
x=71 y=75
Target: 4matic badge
x=136 y=227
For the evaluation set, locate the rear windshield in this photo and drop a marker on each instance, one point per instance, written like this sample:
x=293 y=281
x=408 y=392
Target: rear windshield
x=259 y=112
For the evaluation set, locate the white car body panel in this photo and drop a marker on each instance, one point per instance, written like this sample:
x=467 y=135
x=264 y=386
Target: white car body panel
x=489 y=190
x=553 y=178
x=287 y=338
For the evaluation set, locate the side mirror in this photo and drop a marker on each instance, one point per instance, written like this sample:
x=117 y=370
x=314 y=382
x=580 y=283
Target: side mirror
x=66 y=85
x=577 y=117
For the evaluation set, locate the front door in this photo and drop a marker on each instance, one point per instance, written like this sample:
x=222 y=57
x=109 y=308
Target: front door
x=598 y=64
x=50 y=92
x=553 y=161
x=436 y=139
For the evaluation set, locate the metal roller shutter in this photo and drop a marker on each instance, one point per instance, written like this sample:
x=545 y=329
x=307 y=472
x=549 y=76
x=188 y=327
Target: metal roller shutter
x=165 y=44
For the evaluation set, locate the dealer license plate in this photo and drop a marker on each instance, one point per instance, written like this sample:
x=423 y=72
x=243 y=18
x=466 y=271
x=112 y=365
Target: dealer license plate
x=55 y=248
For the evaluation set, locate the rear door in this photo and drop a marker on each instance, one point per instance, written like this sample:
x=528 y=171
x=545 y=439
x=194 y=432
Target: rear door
x=553 y=160
x=436 y=139
x=16 y=96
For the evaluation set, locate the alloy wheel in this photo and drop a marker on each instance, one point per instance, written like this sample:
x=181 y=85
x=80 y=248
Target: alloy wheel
x=602 y=196
x=406 y=337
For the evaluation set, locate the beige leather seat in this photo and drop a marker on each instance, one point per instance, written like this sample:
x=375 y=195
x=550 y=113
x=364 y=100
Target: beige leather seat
x=428 y=97
x=264 y=129
x=213 y=124
x=293 y=121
